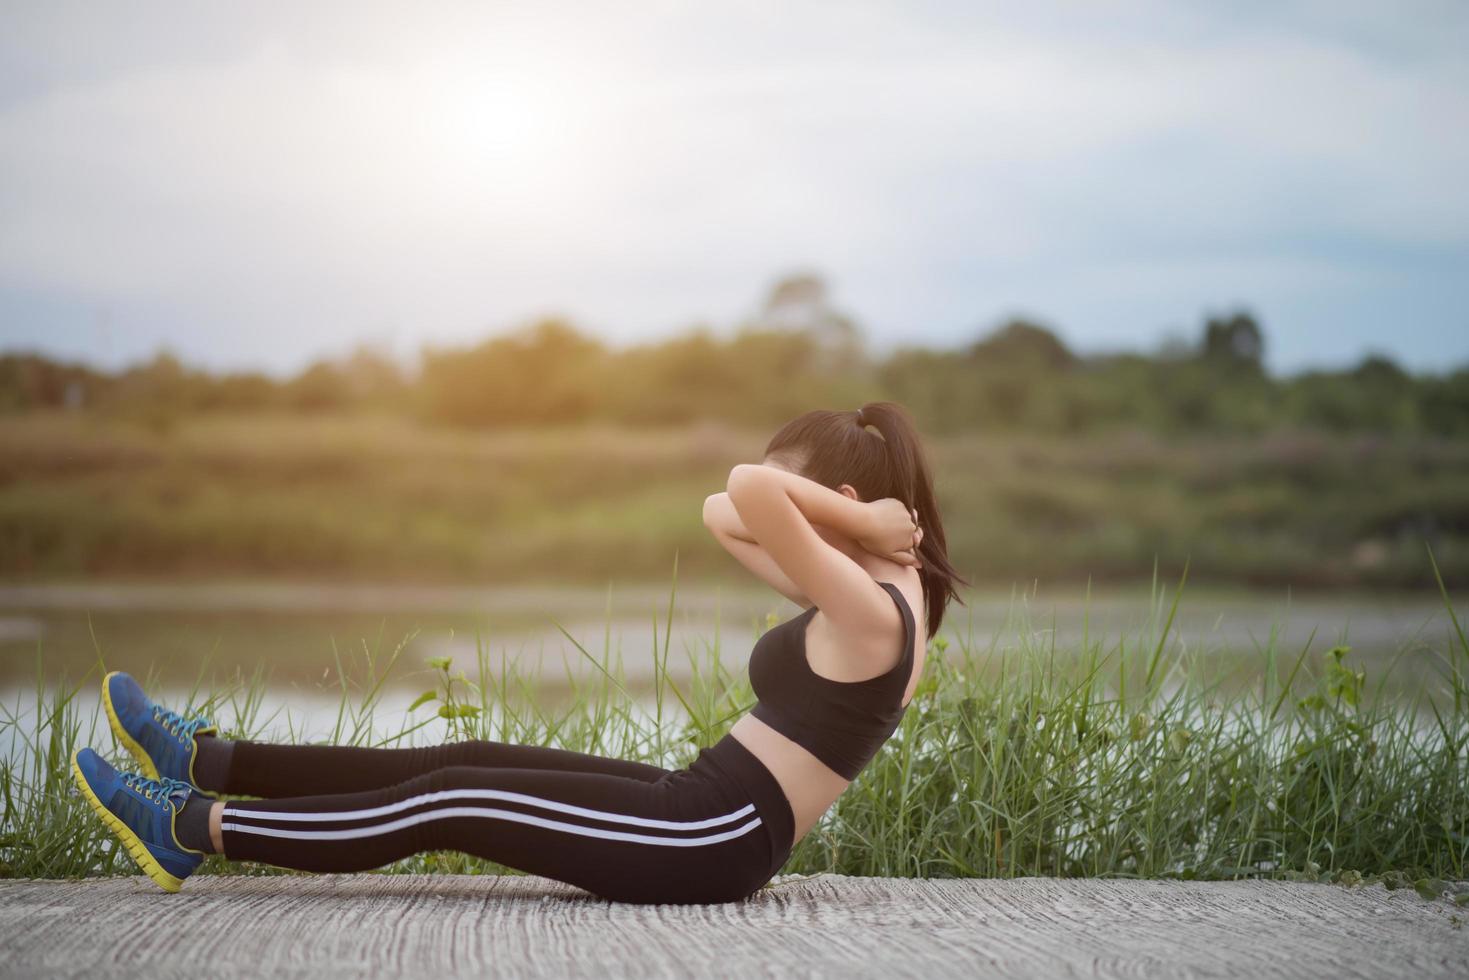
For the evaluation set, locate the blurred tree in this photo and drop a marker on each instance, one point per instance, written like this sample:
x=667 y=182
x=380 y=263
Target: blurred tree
x=938 y=387
x=678 y=380
x=159 y=392
x=1380 y=370
x=245 y=391
x=321 y=387
x=547 y=372
x=373 y=377
x=1445 y=404
x=1386 y=394
x=1176 y=345
x=29 y=382
x=801 y=303
x=1022 y=344
x=1234 y=341
x=798 y=353
x=1375 y=396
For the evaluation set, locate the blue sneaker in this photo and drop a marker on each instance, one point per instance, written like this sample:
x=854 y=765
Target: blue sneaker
x=161 y=741
x=140 y=812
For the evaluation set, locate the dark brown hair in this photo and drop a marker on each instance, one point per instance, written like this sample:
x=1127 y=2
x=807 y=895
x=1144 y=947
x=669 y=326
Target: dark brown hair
x=833 y=448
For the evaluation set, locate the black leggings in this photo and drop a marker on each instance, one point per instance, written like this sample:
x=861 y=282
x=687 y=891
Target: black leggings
x=714 y=832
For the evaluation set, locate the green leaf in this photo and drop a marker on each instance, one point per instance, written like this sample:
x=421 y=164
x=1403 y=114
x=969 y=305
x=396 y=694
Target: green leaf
x=423 y=699
x=466 y=710
x=439 y=663
x=1429 y=888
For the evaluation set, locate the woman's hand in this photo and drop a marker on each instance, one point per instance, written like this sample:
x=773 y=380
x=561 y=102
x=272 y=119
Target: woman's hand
x=893 y=532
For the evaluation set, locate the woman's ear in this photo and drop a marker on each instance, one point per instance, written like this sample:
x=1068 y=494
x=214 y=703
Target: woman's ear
x=847 y=490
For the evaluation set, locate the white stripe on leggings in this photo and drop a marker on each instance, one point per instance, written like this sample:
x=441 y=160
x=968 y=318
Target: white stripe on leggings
x=505 y=796
x=511 y=815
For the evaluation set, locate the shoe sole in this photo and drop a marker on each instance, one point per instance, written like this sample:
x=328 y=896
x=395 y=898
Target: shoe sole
x=135 y=750
x=136 y=849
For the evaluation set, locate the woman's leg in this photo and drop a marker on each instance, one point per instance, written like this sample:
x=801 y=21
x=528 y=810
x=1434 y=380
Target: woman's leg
x=275 y=771
x=188 y=749
x=683 y=838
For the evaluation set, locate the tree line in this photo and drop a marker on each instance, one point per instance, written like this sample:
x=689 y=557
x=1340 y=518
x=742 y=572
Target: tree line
x=797 y=353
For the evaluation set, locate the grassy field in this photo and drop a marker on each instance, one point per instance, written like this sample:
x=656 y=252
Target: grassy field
x=1122 y=755
x=353 y=497
x=1122 y=747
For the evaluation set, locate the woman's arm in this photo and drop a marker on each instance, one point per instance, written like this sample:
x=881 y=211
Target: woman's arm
x=724 y=523
x=778 y=509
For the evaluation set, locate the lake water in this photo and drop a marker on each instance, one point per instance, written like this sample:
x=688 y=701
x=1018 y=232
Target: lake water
x=177 y=636
x=298 y=632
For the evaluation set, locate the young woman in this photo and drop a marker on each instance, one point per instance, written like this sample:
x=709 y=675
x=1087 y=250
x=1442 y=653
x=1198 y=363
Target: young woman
x=840 y=518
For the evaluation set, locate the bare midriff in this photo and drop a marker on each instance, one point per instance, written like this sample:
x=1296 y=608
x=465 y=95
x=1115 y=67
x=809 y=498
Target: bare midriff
x=809 y=784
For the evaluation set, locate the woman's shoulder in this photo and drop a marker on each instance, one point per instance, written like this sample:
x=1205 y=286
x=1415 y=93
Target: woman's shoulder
x=895 y=607
x=907 y=595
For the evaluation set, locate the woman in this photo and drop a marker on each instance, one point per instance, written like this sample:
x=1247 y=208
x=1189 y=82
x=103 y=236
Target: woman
x=840 y=518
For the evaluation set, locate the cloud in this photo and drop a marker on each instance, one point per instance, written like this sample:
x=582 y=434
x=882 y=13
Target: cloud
x=270 y=188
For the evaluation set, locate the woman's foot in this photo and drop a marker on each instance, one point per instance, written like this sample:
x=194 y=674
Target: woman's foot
x=161 y=741
x=140 y=812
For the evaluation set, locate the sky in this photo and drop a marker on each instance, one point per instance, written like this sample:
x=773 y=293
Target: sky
x=255 y=186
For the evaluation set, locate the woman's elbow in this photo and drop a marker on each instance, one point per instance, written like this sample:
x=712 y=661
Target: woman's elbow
x=743 y=478
x=713 y=508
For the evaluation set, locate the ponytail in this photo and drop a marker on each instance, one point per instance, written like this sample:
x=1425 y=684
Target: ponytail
x=833 y=448
x=913 y=483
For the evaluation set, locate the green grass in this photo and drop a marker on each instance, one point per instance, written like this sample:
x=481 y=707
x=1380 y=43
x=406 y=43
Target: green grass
x=384 y=499
x=1128 y=756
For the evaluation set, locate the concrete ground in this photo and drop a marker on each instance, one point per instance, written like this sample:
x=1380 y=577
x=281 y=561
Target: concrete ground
x=824 y=926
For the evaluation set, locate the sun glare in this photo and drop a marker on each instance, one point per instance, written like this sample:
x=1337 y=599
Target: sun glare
x=507 y=140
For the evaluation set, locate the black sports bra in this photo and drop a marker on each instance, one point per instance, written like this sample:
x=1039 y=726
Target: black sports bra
x=842 y=723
